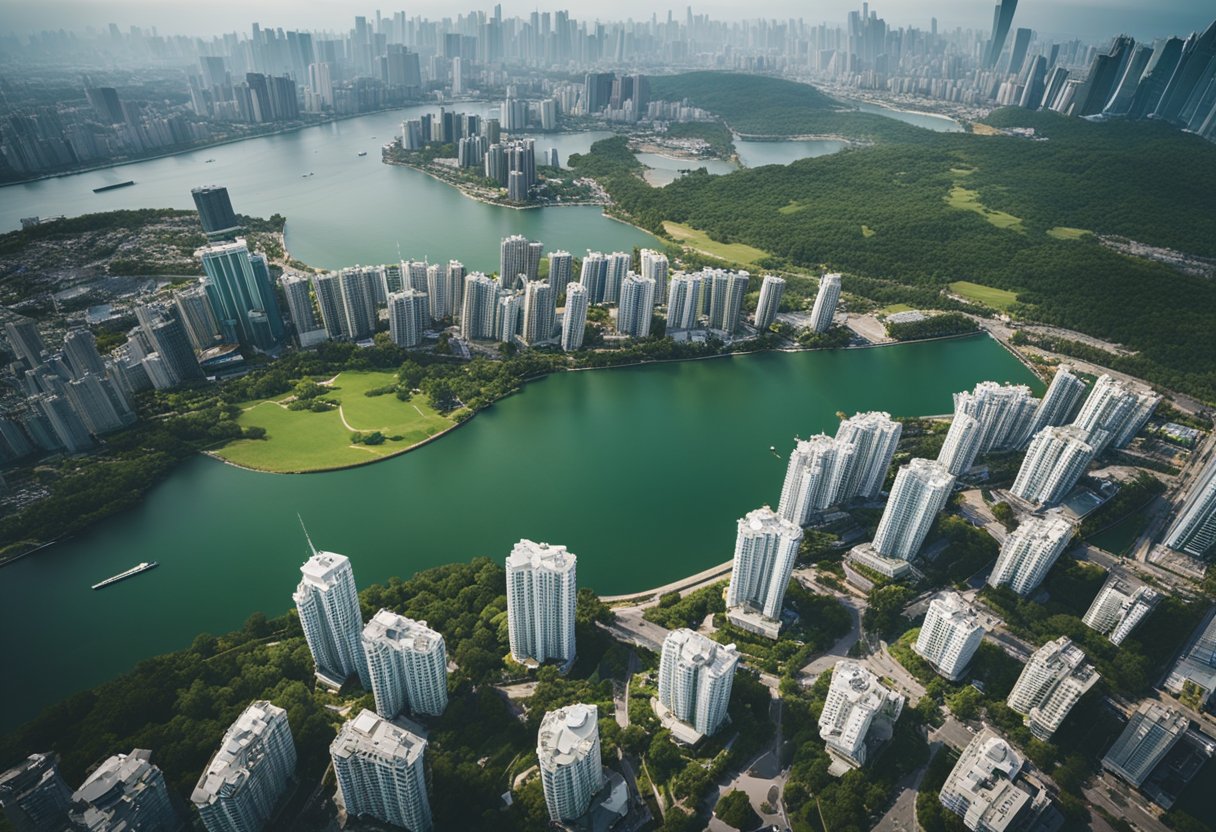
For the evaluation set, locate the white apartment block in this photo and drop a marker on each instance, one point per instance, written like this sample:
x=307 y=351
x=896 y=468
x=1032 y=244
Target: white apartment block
x=568 y=751
x=1061 y=401
x=982 y=787
x=542 y=588
x=1029 y=552
x=684 y=302
x=636 y=306
x=574 y=322
x=766 y=547
x=961 y=445
x=380 y=771
x=1005 y=413
x=858 y=710
x=769 y=302
x=407 y=317
x=1118 y=609
x=478 y=311
x=328 y=604
x=1114 y=412
x=655 y=266
x=815 y=478
x=1056 y=676
x=876 y=436
x=1194 y=531
x=408 y=665
x=696 y=674
x=539 y=312
x=950 y=635
x=825 y=303
x=920 y=491
x=1055 y=460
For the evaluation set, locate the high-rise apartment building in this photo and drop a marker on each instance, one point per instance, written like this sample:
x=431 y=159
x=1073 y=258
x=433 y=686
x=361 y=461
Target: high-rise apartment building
x=1002 y=19
x=766 y=547
x=1118 y=608
x=407 y=663
x=1114 y=412
x=1194 y=530
x=357 y=287
x=454 y=275
x=561 y=271
x=1056 y=459
x=1061 y=401
x=478 y=312
x=194 y=310
x=815 y=478
x=1005 y=413
x=726 y=292
x=328 y=290
x=920 y=491
x=80 y=350
x=215 y=211
x=769 y=302
x=518 y=260
x=592 y=274
x=856 y=702
x=542 y=588
x=509 y=316
x=637 y=296
x=168 y=338
x=380 y=769
x=25 y=341
x=99 y=403
x=539 y=313
x=34 y=796
x=961 y=445
x=126 y=792
x=1029 y=552
x=984 y=790
x=240 y=786
x=241 y=294
x=616 y=268
x=574 y=321
x=438 y=303
x=328 y=603
x=1056 y=676
x=950 y=635
x=683 y=302
x=1148 y=736
x=568 y=751
x=299 y=306
x=407 y=317
x=655 y=265
x=875 y=436
x=826 y=299
x=695 y=679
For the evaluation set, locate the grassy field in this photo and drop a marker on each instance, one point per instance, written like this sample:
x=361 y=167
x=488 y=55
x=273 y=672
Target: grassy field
x=969 y=200
x=300 y=440
x=866 y=231
x=1063 y=232
x=987 y=295
x=731 y=252
x=793 y=207
x=896 y=307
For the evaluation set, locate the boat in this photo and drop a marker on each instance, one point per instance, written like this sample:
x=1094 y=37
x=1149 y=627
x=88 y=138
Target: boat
x=208 y=161
x=362 y=153
x=130 y=573
x=104 y=188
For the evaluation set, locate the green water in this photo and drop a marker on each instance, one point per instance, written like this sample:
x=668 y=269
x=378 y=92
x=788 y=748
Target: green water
x=642 y=472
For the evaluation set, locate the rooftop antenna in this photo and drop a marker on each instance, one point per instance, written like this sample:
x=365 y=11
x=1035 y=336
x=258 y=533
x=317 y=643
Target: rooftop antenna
x=306 y=536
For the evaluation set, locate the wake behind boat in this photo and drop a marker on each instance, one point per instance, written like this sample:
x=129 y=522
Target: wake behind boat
x=130 y=573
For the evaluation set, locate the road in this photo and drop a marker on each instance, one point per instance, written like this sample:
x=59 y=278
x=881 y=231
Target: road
x=649 y=597
x=632 y=628
x=901 y=817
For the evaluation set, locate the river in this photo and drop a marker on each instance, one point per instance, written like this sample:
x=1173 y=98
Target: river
x=641 y=471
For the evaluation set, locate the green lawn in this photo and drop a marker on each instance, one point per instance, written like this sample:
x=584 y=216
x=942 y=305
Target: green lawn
x=987 y=295
x=969 y=200
x=895 y=307
x=1063 y=232
x=731 y=252
x=300 y=440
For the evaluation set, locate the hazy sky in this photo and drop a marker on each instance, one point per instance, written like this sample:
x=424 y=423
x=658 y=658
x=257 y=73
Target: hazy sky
x=1091 y=19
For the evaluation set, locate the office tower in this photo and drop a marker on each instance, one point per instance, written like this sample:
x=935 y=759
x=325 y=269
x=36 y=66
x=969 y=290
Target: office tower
x=825 y=303
x=574 y=322
x=1194 y=73
x=769 y=302
x=1104 y=73
x=875 y=435
x=1121 y=99
x=242 y=783
x=561 y=271
x=568 y=751
x=25 y=341
x=80 y=350
x=920 y=491
x=726 y=293
x=357 y=288
x=105 y=103
x=1005 y=413
x=454 y=275
x=215 y=211
x=1118 y=608
x=856 y=702
x=1148 y=736
x=1050 y=684
x=407 y=317
x=14 y=444
x=1001 y=20
x=1156 y=76
x=380 y=771
x=509 y=316
x=950 y=635
x=1055 y=460
x=655 y=266
x=1017 y=53
x=517 y=256
x=407 y=663
x=766 y=547
x=1113 y=413
x=168 y=337
x=962 y=444
x=100 y=406
x=592 y=274
x=815 y=478
x=1194 y=530
x=34 y=796
x=1060 y=402
x=328 y=290
x=683 y=302
x=439 y=304
x=239 y=288
x=1036 y=84
x=616 y=268
x=328 y=604
x=1194 y=674
x=538 y=314
x=69 y=430
x=983 y=787
x=127 y=793
x=478 y=312
x=1029 y=552
x=195 y=312
x=637 y=306
x=299 y=306
x=695 y=679
x=541 y=591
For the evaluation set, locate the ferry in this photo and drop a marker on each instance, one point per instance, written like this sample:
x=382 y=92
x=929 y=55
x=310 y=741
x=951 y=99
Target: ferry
x=104 y=188
x=130 y=573
x=362 y=153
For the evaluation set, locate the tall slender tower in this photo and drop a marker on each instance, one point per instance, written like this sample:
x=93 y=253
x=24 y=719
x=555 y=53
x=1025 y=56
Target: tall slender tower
x=1029 y=552
x=920 y=491
x=637 y=306
x=407 y=662
x=825 y=303
x=876 y=436
x=769 y=302
x=816 y=477
x=328 y=604
x=961 y=445
x=695 y=678
x=1194 y=531
x=1005 y=413
x=407 y=317
x=479 y=310
x=542 y=590
x=766 y=547
x=1055 y=460
x=1061 y=400
x=574 y=322
x=538 y=312
x=655 y=266
x=950 y=635
x=1002 y=19
x=380 y=771
x=568 y=751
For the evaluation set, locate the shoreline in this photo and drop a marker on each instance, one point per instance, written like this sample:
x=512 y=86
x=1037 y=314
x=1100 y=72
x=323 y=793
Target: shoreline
x=477 y=198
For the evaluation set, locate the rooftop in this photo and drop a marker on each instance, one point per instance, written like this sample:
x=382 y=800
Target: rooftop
x=402 y=632
x=567 y=734
x=369 y=735
x=528 y=553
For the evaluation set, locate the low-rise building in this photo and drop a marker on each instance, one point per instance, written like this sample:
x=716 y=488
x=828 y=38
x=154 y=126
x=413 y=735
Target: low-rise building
x=984 y=788
x=1146 y=739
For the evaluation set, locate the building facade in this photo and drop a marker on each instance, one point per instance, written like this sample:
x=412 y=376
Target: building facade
x=695 y=679
x=407 y=662
x=542 y=588
x=381 y=772
x=766 y=547
x=328 y=603
x=920 y=492
x=568 y=752
x=949 y=636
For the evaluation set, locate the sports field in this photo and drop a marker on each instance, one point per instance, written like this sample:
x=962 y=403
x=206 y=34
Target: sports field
x=987 y=295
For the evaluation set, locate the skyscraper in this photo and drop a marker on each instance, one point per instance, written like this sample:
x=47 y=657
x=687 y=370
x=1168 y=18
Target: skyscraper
x=920 y=491
x=574 y=321
x=950 y=635
x=357 y=287
x=407 y=317
x=299 y=306
x=1002 y=18
x=825 y=303
x=961 y=445
x=242 y=783
x=815 y=478
x=616 y=267
x=1029 y=552
x=1055 y=460
x=593 y=273
x=637 y=296
x=542 y=588
x=99 y=404
x=1113 y=413
x=329 y=299
x=561 y=271
x=454 y=275
x=1148 y=736
x=126 y=792
x=856 y=701
x=509 y=316
x=766 y=547
x=215 y=211
x=1050 y=684
x=538 y=313
x=726 y=292
x=983 y=788
x=380 y=771
x=478 y=312
x=683 y=302
x=194 y=310
x=1194 y=530
x=328 y=604
x=568 y=751
x=875 y=436
x=769 y=302
x=1060 y=402
x=1005 y=413
x=69 y=430
x=655 y=266
x=407 y=663
x=239 y=288
x=25 y=341
x=517 y=255
x=80 y=349
x=1118 y=608
x=34 y=796
x=439 y=303
x=695 y=679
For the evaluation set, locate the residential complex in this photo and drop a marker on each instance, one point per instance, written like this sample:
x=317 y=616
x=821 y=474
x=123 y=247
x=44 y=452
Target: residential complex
x=696 y=674
x=1051 y=683
x=875 y=435
x=654 y=265
x=637 y=306
x=1148 y=736
x=816 y=477
x=766 y=547
x=34 y=796
x=574 y=323
x=961 y=445
x=859 y=712
x=1194 y=529
x=1118 y=608
x=920 y=491
x=949 y=636
x=538 y=313
x=1005 y=414
x=1055 y=460
x=725 y=291
x=825 y=303
x=241 y=294
x=407 y=317
x=1029 y=551
x=328 y=603
x=407 y=663
x=126 y=792
x=1114 y=412
x=238 y=790
x=380 y=771
x=568 y=752
x=542 y=588
x=769 y=302
x=518 y=260
x=1061 y=401
x=984 y=788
